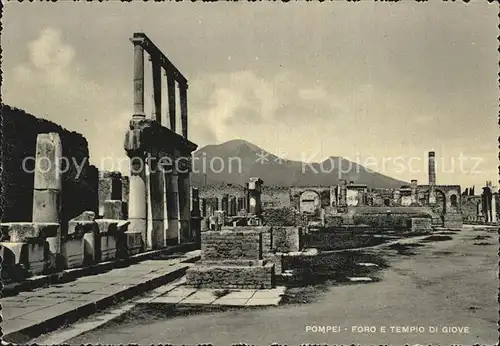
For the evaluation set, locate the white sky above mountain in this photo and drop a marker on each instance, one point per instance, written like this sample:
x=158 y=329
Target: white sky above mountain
x=367 y=81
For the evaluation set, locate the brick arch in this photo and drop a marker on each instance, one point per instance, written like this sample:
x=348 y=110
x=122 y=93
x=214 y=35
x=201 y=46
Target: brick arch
x=309 y=201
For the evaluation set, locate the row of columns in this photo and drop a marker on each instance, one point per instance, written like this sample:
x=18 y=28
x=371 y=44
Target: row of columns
x=159 y=202
x=231 y=205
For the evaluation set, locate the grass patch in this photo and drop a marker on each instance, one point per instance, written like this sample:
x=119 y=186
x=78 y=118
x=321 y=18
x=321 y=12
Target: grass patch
x=221 y=293
x=444 y=253
x=437 y=238
x=304 y=294
x=405 y=249
x=481 y=237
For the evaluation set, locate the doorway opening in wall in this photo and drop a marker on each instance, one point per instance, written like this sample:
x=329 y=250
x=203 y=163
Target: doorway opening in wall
x=453 y=200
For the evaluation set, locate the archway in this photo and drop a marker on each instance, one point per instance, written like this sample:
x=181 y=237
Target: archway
x=309 y=202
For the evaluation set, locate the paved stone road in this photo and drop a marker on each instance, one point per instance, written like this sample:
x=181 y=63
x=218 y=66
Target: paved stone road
x=83 y=295
x=447 y=283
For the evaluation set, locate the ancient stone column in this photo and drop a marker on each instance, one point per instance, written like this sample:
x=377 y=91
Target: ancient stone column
x=254 y=196
x=203 y=207
x=155 y=234
x=432 y=177
x=225 y=202
x=241 y=203
x=47 y=186
x=138 y=78
x=184 y=207
x=493 y=208
x=171 y=100
x=343 y=194
x=196 y=216
x=232 y=206
x=413 y=186
x=156 y=90
x=172 y=191
x=184 y=116
x=137 y=206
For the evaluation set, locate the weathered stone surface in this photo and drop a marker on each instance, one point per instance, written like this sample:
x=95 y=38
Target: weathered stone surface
x=286 y=239
x=114 y=209
x=73 y=252
x=231 y=276
x=229 y=244
x=420 y=224
x=85 y=216
x=48 y=160
x=24 y=231
x=33 y=256
x=452 y=220
x=91 y=247
x=46 y=206
x=133 y=242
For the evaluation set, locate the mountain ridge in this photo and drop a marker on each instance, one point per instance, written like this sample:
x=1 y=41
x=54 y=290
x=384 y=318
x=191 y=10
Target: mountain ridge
x=234 y=161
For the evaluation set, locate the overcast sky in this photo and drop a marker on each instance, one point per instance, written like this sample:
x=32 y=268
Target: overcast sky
x=302 y=80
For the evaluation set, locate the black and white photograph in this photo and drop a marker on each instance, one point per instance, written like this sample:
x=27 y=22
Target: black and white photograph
x=262 y=173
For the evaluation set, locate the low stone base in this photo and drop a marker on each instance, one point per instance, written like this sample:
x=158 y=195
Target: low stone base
x=231 y=276
x=108 y=247
x=420 y=224
x=134 y=242
x=73 y=251
x=30 y=255
x=452 y=221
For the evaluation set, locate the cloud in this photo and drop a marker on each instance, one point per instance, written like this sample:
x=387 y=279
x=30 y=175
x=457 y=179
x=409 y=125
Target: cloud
x=233 y=105
x=52 y=84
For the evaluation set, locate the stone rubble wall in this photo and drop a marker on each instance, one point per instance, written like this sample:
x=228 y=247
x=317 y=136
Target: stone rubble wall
x=231 y=277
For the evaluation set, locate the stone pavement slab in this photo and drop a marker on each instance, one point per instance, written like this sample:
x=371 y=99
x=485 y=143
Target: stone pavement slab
x=200 y=297
x=51 y=307
x=263 y=301
x=166 y=300
x=269 y=293
x=231 y=301
x=239 y=294
x=181 y=291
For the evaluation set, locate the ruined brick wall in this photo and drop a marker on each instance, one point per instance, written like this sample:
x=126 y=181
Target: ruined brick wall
x=287 y=239
x=20 y=131
x=286 y=216
x=469 y=208
x=384 y=221
x=275 y=197
x=218 y=191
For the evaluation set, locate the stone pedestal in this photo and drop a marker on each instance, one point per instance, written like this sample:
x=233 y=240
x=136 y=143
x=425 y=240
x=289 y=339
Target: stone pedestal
x=74 y=244
x=232 y=258
x=110 y=232
x=25 y=246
